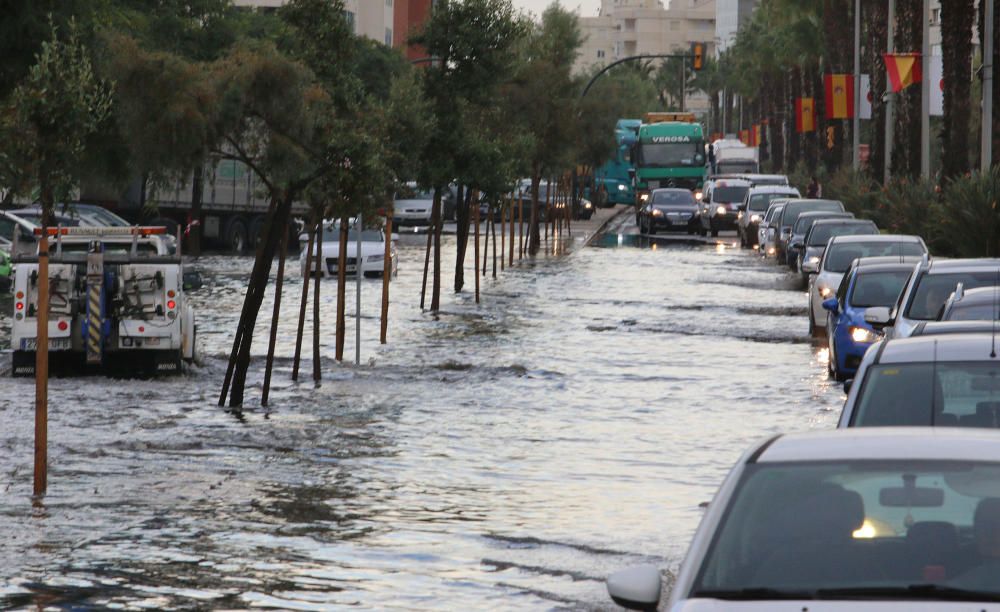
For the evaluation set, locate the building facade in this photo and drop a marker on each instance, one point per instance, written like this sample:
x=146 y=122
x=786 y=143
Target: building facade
x=625 y=28
x=374 y=19
x=730 y=15
x=410 y=17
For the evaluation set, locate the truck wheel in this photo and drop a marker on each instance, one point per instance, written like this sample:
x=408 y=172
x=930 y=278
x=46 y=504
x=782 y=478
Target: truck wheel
x=256 y=233
x=236 y=236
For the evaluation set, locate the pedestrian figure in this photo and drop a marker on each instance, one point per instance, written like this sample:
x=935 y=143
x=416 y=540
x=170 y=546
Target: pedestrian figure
x=711 y=157
x=814 y=190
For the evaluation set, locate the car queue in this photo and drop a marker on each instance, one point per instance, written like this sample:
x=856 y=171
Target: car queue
x=901 y=509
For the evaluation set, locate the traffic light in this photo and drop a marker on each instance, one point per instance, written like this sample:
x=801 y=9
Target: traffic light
x=697 y=54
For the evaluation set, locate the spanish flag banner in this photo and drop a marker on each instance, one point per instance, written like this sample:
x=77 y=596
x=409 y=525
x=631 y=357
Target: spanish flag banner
x=755 y=135
x=839 y=96
x=745 y=137
x=805 y=115
x=904 y=69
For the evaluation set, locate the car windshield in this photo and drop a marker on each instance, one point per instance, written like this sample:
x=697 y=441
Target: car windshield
x=672 y=154
x=682 y=196
x=101 y=217
x=773 y=213
x=933 y=290
x=412 y=193
x=973 y=312
x=803 y=223
x=761 y=201
x=840 y=255
x=878 y=288
x=728 y=195
x=822 y=233
x=332 y=234
x=793 y=210
x=801 y=530
x=949 y=394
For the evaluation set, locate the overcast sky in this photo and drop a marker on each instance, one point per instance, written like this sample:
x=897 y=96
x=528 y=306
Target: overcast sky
x=586 y=8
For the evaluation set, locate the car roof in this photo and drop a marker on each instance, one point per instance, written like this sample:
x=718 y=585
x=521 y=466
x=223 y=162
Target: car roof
x=886 y=264
x=842 y=221
x=875 y=238
x=731 y=182
x=782 y=189
x=962 y=265
x=813 y=201
x=943 y=341
x=825 y=214
x=672 y=189
x=874 y=443
x=977 y=295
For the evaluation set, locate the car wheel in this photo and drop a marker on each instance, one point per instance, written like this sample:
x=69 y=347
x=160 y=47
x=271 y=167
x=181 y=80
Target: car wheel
x=236 y=236
x=715 y=233
x=651 y=230
x=812 y=325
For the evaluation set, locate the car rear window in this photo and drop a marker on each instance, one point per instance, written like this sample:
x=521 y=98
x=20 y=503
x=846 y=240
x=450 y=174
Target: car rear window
x=761 y=201
x=838 y=257
x=822 y=233
x=793 y=210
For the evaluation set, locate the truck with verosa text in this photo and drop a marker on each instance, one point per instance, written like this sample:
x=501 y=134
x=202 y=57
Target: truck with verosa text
x=669 y=152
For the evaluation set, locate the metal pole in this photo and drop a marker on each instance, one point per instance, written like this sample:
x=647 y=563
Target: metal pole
x=890 y=97
x=856 y=128
x=682 y=83
x=358 y=273
x=925 y=93
x=986 y=151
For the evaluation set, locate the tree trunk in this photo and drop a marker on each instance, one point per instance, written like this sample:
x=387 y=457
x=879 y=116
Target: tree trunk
x=277 y=217
x=875 y=17
x=794 y=148
x=906 y=138
x=436 y=228
x=342 y=284
x=319 y=270
x=956 y=46
x=462 y=237
x=193 y=229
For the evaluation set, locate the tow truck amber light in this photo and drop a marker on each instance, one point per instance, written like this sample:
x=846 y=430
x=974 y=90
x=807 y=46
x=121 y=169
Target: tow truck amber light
x=102 y=231
x=171 y=304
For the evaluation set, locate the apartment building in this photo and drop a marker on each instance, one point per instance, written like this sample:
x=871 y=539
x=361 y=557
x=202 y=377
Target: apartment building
x=730 y=15
x=374 y=19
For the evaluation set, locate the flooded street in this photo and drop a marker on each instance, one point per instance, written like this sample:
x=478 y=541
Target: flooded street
x=507 y=455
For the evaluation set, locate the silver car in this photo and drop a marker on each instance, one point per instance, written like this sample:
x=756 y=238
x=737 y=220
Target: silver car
x=797 y=240
x=943 y=376
x=928 y=289
x=979 y=304
x=767 y=231
x=755 y=204
x=821 y=232
x=841 y=251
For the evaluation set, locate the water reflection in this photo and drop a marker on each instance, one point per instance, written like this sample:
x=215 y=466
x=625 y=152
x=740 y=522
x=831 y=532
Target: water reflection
x=506 y=455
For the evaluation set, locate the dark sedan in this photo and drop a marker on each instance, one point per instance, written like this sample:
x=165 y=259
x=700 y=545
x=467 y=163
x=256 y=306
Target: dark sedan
x=669 y=209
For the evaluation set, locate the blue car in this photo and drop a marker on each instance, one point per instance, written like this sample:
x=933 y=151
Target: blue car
x=869 y=282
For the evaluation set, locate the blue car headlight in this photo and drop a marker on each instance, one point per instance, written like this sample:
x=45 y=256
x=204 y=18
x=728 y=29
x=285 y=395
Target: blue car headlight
x=862 y=335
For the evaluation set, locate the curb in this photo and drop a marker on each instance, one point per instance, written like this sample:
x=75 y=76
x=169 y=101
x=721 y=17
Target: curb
x=600 y=230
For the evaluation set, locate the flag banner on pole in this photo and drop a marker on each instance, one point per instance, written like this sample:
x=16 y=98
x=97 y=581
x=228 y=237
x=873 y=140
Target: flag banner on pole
x=904 y=69
x=745 y=137
x=839 y=96
x=865 y=111
x=937 y=86
x=755 y=136
x=805 y=115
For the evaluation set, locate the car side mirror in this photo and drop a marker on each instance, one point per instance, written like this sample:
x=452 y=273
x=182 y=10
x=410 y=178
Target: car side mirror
x=636 y=588
x=811 y=267
x=847 y=385
x=796 y=245
x=877 y=316
x=831 y=304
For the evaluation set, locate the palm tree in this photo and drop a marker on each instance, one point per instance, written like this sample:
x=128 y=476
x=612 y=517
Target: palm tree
x=956 y=47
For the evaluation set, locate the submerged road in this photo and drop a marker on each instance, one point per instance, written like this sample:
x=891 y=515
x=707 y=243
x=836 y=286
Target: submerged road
x=507 y=455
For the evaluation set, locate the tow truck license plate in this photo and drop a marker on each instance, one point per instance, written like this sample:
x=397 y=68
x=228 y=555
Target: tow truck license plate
x=55 y=344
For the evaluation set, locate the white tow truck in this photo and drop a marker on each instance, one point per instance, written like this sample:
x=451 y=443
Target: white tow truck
x=116 y=299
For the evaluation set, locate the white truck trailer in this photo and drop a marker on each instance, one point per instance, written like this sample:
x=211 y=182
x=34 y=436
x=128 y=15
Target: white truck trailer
x=116 y=301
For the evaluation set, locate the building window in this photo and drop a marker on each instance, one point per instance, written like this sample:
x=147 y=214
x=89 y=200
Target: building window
x=600 y=53
x=388 y=37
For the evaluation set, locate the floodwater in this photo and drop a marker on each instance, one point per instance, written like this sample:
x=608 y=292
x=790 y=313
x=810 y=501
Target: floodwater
x=507 y=455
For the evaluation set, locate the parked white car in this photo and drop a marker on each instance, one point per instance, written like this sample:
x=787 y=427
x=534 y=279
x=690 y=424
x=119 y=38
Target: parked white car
x=755 y=205
x=412 y=206
x=372 y=252
x=840 y=252
x=885 y=519
x=930 y=285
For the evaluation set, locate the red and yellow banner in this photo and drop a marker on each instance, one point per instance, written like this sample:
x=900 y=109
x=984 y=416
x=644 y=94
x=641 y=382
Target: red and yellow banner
x=839 y=96
x=755 y=135
x=805 y=115
x=904 y=69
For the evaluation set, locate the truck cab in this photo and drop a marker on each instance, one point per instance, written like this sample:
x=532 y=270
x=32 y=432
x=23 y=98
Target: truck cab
x=668 y=153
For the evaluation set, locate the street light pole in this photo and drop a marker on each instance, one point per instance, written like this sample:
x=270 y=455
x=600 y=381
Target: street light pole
x=925 y=93
x=889 y=95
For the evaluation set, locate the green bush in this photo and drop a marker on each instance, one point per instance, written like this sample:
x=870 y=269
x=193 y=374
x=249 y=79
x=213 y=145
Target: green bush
x=966 y=222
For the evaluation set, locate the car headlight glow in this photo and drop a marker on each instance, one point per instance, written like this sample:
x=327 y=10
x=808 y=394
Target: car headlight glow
x=824 y=292
x=697 y=195
x=622 y=187
x=862 y=335
x=657 y=212
x=720 y=210
x=644 y=197
x=587 y=205
x=754 y=218
x=739 y=215
x=814 y=260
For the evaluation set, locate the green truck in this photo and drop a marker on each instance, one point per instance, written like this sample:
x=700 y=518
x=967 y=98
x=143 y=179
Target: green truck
x=670 y=152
